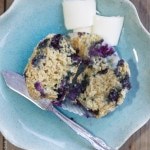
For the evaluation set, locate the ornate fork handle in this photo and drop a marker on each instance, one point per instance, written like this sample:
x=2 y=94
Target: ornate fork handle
x=97 y=143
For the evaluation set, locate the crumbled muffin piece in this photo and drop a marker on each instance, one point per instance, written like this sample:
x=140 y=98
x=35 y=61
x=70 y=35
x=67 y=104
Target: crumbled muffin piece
x=51 y=68
x=105 y=78
x=104 y=90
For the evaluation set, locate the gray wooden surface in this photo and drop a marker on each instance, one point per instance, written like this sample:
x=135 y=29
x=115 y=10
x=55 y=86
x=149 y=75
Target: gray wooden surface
x=141 y=139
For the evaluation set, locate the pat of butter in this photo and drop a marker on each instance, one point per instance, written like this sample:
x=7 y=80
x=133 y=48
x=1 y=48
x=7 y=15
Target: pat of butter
x=109 y=28
x=85 y=29
x=78 y=13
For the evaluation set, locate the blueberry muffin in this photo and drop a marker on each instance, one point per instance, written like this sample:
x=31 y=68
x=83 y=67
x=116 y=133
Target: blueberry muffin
x=102 y=86
x=51 y=68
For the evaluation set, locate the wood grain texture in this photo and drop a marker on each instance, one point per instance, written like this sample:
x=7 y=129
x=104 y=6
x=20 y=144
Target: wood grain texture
x=141 y=139
x=1 y=142
x=1 y=6
x=8 y=3
x=9 y=146
x=143 y=8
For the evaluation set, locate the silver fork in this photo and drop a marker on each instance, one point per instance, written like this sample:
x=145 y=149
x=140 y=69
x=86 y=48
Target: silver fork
x=17 y=83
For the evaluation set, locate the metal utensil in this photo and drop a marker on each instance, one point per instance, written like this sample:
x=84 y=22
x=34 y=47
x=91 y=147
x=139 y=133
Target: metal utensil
x=16 y=82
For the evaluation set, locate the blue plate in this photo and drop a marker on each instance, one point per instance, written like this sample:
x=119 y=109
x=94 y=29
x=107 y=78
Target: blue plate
x=28 y=127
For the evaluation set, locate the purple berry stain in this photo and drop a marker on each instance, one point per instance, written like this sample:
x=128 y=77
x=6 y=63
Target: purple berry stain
x=43 y=44
x=113 y=95
x=55 y=41
x=76 y=59
x=87 y=62
x=62 y=90
x=125 y=82
x=74 y=92
x=39 y=88
x=77 y=89
x=57 y=103
x=101 y=49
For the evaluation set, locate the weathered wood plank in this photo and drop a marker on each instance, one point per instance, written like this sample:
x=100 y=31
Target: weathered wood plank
x=140 y=140
x=1 y=141
x=143 y=7
x=1 y=6
x=8 y=3
x=9 y=146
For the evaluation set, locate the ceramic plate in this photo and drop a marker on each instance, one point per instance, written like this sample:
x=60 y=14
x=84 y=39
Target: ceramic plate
x=28 y=127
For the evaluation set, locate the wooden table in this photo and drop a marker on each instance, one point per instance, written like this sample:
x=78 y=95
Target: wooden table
x=141 y=139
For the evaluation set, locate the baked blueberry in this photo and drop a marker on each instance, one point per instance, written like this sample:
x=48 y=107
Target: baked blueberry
x=55 y=42
x=101 y=49
x=126 y=82
x=113 y=95
x=43 y=44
